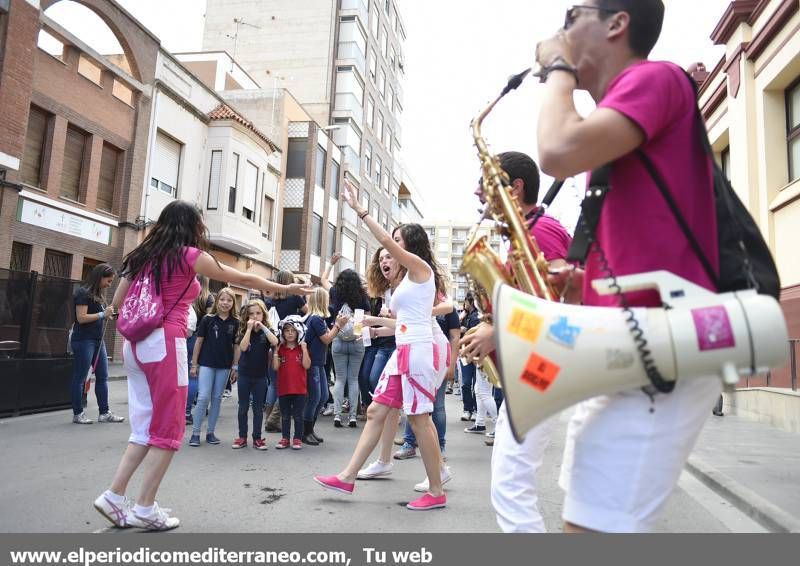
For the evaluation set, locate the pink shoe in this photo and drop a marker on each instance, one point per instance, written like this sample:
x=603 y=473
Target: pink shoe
x=428 y=501
x=334 y=483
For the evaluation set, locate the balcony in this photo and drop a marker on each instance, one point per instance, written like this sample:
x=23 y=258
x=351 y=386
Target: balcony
x=347 y=104
x=234 y=233
x=350 y=52
x=359 y=7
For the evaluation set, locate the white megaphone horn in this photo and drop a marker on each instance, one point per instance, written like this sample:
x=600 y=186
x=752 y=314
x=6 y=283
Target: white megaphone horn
x=552 y=355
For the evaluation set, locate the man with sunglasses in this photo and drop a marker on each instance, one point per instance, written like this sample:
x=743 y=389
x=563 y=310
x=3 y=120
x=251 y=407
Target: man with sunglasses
x=625 y=452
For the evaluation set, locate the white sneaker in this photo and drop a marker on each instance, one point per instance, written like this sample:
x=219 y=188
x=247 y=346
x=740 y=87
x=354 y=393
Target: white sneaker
x=159 y=520
x=81 y=419
x=328 y=411
x=376 y=469
x=110 y=417
x=117 y=514
x=424 y=486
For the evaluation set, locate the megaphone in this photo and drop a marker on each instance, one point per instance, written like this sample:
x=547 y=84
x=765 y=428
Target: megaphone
x=552 y=355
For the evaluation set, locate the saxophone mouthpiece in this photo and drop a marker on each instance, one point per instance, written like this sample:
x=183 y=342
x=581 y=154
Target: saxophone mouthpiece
x=514 y=81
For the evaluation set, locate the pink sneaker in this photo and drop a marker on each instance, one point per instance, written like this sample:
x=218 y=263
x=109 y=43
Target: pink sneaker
x=334 y=483
x=428 y=501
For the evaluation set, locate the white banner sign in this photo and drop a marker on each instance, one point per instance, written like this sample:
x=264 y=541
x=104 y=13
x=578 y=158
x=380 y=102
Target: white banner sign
x=53 y=219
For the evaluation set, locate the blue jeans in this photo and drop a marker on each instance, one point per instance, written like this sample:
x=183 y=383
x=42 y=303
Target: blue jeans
x=292 y=410
x=467 y=385
x=439 y=420
x=347 y=358
x=272 y=386
x=375 y=360
x=192 y=394
x=317 y=392
x=211 y=383
x=251 y=392
x=498 y=397
x=84 y=352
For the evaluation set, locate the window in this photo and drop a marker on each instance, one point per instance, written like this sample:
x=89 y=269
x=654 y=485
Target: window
x=393 y=58
x=364 y=198
x=385 y=43
x=367 y=159
x=90 y=70
x=290 y=237
x=725 y=162
x=250 y=191
x=331 y=235
x=362 y=259
x=373 y=64
x=375 y=210
x=31 y=166
x=50 y=45
x=57 y=264
x=269 y=207
x=385 y=220
x=390 y=100
x=234 y=183
x=348 y=247
x=379 y=126
x=107 y=186
x=378 y=171
x=319 y=177
x=296 y=159
x=214 y=178
x=387 y=139
x=444 y=247
x=385 y=180
x=382 y=83
x=316 y=235
x=370 y=111
x=373 y=22
x=72 y=170
x=793 y=127
x=122 y=92
x=88 y=265
x=334 y=183
x=166 y=164
x=20 y=256
x=387 y=6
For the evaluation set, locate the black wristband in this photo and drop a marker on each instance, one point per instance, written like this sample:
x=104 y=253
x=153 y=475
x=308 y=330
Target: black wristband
x=560 y=65
x=363 y=216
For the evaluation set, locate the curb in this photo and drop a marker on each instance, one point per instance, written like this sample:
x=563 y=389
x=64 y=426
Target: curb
x=746 y=500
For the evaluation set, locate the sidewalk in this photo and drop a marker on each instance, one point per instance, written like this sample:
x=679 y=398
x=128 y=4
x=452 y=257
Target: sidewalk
x=753 y=465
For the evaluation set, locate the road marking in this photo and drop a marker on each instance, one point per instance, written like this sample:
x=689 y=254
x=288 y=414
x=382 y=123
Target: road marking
x=723 y=510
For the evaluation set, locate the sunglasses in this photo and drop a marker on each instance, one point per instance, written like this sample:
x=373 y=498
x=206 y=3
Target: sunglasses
x=573 y=13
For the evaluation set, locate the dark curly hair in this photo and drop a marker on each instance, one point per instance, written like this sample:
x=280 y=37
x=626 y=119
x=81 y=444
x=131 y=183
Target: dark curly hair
x=179 y=225
x=417 y=243
x=350 y=289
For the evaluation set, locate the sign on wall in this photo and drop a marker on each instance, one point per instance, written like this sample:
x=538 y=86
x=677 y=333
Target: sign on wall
x=54 y=219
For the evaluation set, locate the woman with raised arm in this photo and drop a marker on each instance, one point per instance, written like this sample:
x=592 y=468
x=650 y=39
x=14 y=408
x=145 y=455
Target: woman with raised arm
x=157 y=368
x=410 y=378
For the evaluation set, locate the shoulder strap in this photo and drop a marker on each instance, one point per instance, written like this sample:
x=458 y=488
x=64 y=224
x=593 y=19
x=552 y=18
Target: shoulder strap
x=662 y=187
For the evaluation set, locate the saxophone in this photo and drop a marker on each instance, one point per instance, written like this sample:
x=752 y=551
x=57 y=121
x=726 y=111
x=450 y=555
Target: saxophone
x=527 y=266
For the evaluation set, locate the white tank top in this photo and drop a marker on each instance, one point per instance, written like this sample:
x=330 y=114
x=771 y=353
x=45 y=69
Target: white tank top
x=412 y=304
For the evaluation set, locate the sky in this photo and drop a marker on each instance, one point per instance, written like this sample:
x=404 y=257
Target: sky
x=458 y=56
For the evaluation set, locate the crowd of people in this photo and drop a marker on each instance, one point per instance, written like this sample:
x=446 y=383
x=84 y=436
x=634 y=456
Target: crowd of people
x=392 y=342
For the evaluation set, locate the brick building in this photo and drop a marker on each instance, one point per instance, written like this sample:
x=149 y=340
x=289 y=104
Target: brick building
x=73 y=139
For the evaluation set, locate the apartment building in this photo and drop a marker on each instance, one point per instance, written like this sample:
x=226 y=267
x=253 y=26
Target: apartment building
x=751 y=104
x=345 y=67
x=449 y=242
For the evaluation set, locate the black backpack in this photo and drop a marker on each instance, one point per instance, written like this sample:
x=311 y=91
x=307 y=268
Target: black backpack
x=745 y=261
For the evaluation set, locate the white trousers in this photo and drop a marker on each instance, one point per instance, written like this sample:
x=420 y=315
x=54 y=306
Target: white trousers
x=484 y=399
x=514 y=469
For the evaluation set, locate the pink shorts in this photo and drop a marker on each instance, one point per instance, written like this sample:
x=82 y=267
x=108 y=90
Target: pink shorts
x=158 y=379
x=410 y=378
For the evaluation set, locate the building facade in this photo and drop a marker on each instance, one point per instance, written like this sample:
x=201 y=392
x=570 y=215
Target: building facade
x=346 y=72
x=751 y=104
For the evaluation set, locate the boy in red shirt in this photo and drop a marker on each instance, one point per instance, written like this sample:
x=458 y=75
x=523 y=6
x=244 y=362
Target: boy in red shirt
x=291 y=361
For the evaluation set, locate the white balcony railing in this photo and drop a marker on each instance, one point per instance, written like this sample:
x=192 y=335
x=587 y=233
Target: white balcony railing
x=349 y=103
x=234 y=232
x=360 y=7
x=351 y=51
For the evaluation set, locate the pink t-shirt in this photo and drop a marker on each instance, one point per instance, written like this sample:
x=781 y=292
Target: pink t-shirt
x=637 y=230
x=172 y=287
x=551 y=237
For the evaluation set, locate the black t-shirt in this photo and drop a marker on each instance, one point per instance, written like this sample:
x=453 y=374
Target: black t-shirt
x=448 y=322
x=471 y=320
x=253 y=361
x=293 y=304
x=91 y=330
x=316 y=327
x=383 y=342
x=218 y=339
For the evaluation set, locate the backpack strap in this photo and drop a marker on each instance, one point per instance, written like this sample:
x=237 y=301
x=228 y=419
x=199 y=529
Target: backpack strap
x=189 y=284
x=662 y=187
